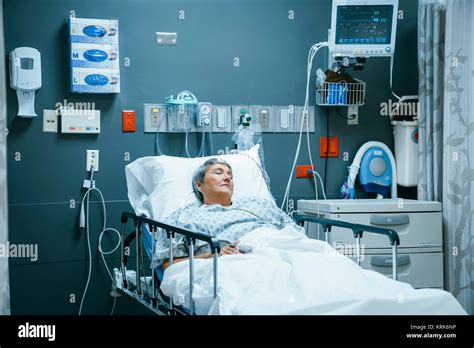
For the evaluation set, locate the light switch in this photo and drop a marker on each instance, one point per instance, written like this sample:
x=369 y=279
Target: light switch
x=221 y=118
x=284 y=119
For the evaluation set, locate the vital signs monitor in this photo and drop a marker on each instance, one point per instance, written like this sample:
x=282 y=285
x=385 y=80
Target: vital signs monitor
x=365 y=28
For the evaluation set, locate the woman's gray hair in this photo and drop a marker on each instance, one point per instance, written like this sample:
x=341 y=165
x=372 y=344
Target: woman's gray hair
x=198 y=176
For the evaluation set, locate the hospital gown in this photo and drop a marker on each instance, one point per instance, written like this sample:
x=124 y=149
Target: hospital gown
x=228 y=224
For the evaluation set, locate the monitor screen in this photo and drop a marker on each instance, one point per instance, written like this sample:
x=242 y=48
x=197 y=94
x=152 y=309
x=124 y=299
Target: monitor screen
x=364 y=25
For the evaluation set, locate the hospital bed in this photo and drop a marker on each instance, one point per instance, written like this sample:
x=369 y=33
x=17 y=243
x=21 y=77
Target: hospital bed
x=157 y=186
x=144 y=287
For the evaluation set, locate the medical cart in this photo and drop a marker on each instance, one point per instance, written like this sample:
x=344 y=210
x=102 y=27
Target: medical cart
x=418 y=224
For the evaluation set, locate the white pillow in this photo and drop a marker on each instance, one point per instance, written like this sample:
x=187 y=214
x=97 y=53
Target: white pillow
x=159 y=185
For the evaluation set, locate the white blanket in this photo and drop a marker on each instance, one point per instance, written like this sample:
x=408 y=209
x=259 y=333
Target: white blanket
x=289 y=273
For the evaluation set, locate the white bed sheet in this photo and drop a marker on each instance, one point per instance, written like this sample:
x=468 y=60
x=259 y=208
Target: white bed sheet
x=289 y=273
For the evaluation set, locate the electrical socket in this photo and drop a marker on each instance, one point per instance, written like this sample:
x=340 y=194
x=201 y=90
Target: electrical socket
x=291 y=204
x=92 y=159
x=352 y=115
x=50 y=121
x=265 y=116
x=154 y=118
x=128 y=120
x=299 y=114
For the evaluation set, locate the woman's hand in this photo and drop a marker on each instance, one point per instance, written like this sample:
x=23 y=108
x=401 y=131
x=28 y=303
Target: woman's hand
x=229 y=250
x=225 y=250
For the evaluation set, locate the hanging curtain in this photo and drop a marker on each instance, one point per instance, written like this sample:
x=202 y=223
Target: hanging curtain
x=431 y=33
x=4 y=282
x=446 y=140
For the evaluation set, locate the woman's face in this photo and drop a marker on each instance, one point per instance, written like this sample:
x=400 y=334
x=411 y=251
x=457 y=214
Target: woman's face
x=218 y=184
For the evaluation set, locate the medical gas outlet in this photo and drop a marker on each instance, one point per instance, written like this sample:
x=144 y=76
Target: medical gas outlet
x=227 y=118
x=205 y=114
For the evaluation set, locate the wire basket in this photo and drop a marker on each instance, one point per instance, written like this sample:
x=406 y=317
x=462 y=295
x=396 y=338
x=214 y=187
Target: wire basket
x=341 y=93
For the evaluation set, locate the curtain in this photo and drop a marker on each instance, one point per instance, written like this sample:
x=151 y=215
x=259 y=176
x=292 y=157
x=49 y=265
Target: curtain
x=446 y=148
x=431 y=33
x=4 y=283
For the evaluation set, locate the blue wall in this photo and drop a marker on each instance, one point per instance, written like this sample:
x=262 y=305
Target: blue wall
x=273 y=52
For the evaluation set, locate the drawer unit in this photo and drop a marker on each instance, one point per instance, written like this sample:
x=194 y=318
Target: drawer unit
x=418 y=224
x=417 y=269
x=416 y=230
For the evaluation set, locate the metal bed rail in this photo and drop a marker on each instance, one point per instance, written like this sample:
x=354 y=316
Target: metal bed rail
x=171 y=232
x=357 y=230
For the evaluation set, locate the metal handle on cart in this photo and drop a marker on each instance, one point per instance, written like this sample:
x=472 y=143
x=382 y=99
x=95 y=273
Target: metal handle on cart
x=357 y=230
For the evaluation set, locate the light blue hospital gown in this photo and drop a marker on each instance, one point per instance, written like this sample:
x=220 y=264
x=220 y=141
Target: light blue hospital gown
x=228 y=224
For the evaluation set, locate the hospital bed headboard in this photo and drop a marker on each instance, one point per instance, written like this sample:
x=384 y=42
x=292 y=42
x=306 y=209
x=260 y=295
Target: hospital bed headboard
x=159 y=185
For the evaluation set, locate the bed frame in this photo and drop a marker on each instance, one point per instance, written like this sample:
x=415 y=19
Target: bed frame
x=145 y=288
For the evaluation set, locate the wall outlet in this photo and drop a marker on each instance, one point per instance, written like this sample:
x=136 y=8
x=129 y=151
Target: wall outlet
x=92 y=159
x=352 y=115
x=50 y=121
x=128 y=121
x=299 y=114
x=154 y=118
x=265 y=116
x=291 y=204
x=302 y=171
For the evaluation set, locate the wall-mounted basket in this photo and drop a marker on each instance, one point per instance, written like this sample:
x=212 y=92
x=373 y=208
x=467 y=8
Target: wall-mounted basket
x=341 y=93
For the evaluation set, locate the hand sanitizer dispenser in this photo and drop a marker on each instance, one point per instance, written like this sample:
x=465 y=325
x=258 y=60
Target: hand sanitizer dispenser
x=25 y=78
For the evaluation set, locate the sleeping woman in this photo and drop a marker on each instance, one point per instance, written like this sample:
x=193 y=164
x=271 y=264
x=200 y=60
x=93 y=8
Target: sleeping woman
x=285 y=273
x=219 y=215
